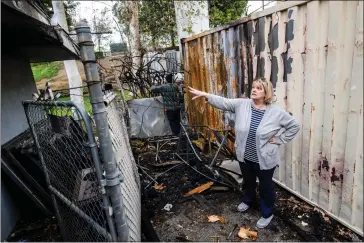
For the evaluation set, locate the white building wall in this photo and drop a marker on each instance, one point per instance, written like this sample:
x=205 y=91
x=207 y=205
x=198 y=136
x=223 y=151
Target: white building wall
x=17 y=84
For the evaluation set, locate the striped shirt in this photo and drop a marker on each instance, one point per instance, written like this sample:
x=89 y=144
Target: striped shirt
x=250 y=147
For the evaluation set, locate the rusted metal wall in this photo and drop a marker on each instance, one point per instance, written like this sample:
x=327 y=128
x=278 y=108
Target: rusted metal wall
x=312 y=51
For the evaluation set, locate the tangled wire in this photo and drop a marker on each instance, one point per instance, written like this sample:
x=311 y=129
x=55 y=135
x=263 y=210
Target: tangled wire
x=138 y=79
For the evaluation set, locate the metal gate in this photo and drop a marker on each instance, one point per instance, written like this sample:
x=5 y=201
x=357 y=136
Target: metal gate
x=69 y=155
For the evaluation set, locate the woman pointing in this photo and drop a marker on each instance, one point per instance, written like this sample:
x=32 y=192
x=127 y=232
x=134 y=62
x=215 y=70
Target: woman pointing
x=257 y=123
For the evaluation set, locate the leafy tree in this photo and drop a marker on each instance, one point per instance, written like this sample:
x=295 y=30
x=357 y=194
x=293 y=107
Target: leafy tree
x=69 y=7
x=123 y=15
x=118 y=47
x=127 y=13
x=226 y=11
x=158 y=21
x=101 y=23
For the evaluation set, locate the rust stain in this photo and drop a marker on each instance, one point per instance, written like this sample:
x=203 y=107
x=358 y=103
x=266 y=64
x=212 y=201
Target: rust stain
x=346 y=83
x=312 y=108
x=319 y=167
x=202 y=80
x=359 y=46
x=332 y=127
x=352 y=194
x=234 y=86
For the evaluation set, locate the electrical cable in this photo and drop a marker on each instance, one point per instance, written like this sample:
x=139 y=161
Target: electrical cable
x=260 y=7
x=208 y=177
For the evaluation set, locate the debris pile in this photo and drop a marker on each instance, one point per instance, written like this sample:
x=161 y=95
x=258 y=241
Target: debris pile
x=188 y=202
x=40 y=230
x=312 y=223
x=138 y=79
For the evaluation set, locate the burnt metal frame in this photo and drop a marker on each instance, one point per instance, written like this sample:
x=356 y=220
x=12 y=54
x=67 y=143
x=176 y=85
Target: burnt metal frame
x=213 y=167
x=222 y=141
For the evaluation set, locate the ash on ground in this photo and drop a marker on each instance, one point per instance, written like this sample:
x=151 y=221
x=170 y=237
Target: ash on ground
x=186 y=218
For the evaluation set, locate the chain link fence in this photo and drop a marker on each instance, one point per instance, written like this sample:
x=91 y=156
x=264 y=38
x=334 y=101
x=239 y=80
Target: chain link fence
x=130 y=187
x=71 y=164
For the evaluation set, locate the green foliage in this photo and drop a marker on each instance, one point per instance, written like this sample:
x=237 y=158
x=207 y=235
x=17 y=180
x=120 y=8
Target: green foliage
x=226 y=11
x=99 y=54
x=123 y=15
x=118 y=47
x=101 y=23
x=86 y=102
x=158 y=21
x=45 y=70
x=70 y=8
x=127 y=96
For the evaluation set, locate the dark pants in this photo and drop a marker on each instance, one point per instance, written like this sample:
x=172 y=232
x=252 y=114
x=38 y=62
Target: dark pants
x=174 y=118
x=250 y=172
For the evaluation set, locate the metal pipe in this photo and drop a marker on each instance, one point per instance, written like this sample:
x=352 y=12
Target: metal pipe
x=189 y=141
x=97 y=164
x=208 y=177
x=15 y=178
x=112 y=173
x=96 y=33
x=218 y=151
x=80 y=213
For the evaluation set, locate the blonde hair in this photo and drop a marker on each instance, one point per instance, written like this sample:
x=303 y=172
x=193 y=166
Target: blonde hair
x=268 y=89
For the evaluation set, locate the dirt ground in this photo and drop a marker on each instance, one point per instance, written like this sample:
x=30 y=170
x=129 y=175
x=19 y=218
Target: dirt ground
x=41 y=230
x=60 y=81
x=187 y=219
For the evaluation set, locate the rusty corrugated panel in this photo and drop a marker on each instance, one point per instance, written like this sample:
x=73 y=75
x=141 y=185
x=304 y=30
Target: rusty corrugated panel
x=314 y=59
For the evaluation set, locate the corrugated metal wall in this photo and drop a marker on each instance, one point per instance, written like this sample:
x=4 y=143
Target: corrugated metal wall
x=312 y=51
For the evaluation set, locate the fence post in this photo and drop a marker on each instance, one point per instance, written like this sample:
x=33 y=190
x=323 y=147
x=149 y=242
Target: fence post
x=112 y=173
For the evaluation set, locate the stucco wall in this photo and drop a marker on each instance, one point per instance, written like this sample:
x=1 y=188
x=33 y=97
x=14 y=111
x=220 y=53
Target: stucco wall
x=9 y=212
x=17 y=84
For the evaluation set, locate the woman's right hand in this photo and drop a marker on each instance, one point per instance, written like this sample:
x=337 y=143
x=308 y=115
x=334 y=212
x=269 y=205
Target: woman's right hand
x=197 y=93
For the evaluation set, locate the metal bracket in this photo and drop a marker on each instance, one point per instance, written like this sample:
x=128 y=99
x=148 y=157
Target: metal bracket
x=111 y=182
x=90 y=145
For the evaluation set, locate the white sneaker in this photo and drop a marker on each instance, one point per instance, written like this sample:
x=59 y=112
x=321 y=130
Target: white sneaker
x=243 y=207
x=263 y=222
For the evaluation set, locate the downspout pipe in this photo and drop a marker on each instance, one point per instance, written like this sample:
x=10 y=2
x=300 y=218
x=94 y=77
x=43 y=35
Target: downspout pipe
x=113 y=176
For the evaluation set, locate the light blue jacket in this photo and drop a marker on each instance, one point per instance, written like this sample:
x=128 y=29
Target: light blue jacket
x=276 y=122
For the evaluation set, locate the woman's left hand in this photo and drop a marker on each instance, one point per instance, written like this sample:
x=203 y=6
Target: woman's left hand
x=272 y=140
